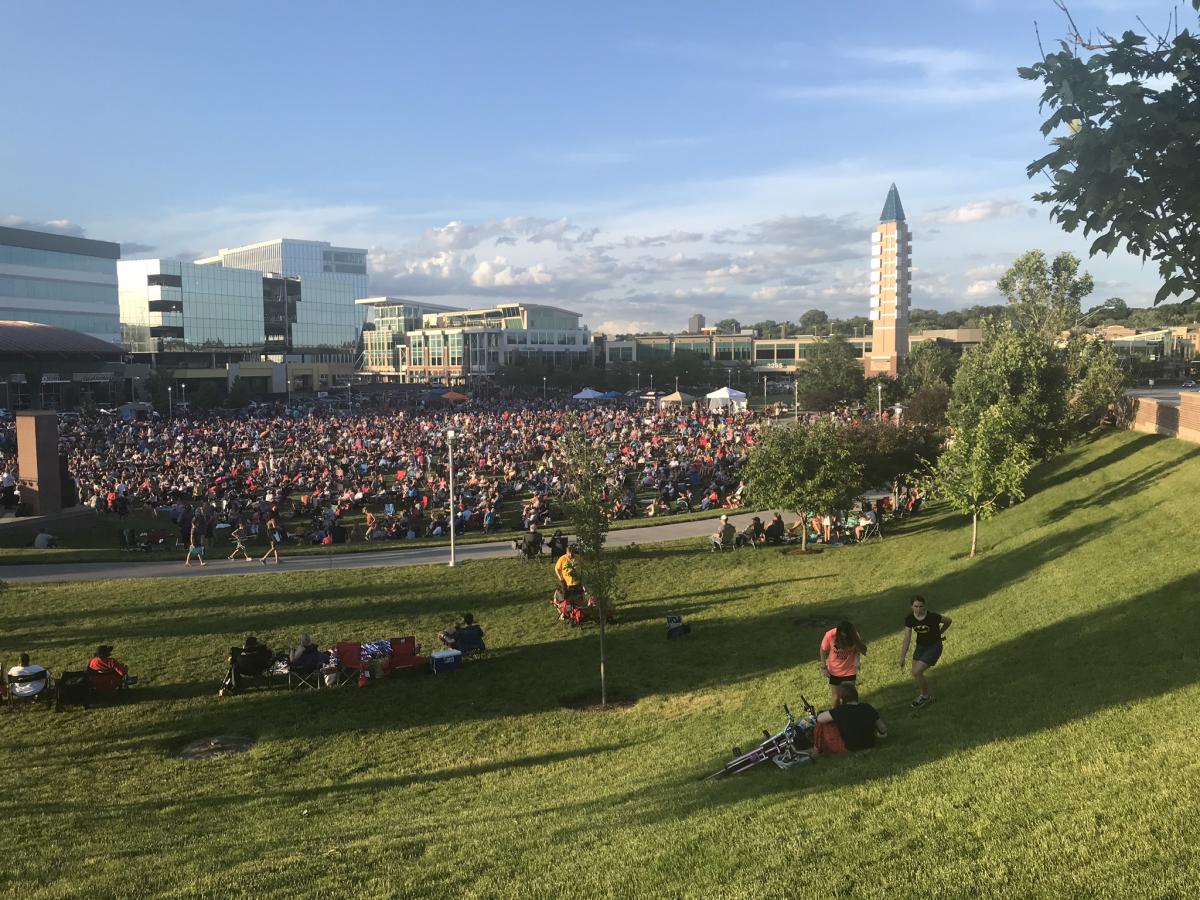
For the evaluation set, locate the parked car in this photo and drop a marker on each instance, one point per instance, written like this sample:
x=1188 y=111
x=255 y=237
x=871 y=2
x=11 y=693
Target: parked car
x=1188 y=384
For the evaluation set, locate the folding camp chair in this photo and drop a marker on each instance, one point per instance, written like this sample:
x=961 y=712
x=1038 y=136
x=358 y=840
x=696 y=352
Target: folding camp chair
x=305 y=678
x=470 y=640
x=404 y=656
x=870 y=530
x=351 y=666
x=35 y=688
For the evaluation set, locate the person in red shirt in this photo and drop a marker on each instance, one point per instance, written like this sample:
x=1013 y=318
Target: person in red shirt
x=107 y=673
x=841 y=654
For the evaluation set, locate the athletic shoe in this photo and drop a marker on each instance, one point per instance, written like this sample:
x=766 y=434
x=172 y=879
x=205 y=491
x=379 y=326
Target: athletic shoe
x=921 y=702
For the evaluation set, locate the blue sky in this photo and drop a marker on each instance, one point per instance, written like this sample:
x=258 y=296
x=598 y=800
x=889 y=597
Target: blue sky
x=636 y=162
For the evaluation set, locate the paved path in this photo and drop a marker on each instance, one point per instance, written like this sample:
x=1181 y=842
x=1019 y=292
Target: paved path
x=416 y=556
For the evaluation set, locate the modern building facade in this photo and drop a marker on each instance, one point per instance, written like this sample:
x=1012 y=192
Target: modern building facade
x=61 y=281
x=385 y=333
x=695 y=324
x=454 y=346
x=891 y=266
x=168 y=306
x=300 y=259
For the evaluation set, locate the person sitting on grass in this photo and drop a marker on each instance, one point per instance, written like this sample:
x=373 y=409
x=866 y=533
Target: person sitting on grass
x=305 y=656
x=108 y=673
x=465 y=636
x=773 y=533
x=724 y=536
x=25 y=690
x=753 y=534
x=248 y=661
x=849 y=725
x=45 y=540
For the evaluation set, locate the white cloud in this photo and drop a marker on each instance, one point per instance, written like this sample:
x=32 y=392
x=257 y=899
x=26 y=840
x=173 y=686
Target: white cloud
x=54 y=226
x=624 y=326
x=500 y=273
x=979 y=211
x=981 y=288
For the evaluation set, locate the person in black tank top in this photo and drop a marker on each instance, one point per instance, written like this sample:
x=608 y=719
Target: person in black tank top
x=929 y=627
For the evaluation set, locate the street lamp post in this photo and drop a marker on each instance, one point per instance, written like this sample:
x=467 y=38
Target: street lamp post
x=543 y=387
x=879 y=407
x=764 y=389
x=652 y=382
x=795 y=399
x=170 y=404
x=677 y=384
x=450 y=455
x=639 y=387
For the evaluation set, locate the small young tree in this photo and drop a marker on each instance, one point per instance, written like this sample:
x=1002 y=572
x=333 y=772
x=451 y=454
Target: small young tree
x=803 y=468
x=985 y=461
x=584 y=470
x=887 y=453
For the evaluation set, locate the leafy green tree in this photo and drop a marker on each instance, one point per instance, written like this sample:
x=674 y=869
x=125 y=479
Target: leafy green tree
x=887 y=453
x=207 y=398
x=831 y=374
x=928 y=364
x=728 y=326
x=585 y=470
x=987 y=459
x=1124 y=165
x=156 y=385
x=803 y=468
x=928 y=406
x=1019 y=369
x=812 y=318
x=1114 y=309
x=1043 y=298
x=1098 y=380
x=239 y=395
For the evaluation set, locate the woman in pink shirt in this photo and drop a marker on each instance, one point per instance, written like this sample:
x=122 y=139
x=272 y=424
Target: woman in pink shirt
x=842 y=650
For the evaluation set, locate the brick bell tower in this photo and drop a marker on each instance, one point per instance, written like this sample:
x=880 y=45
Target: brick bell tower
x=891 y=265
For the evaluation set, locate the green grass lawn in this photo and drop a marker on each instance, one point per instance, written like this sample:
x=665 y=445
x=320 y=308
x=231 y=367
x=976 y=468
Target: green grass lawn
x=1059 y=759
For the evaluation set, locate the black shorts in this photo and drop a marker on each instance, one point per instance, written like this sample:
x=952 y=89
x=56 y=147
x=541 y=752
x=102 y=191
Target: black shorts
x=842 y=679
x=929 y=654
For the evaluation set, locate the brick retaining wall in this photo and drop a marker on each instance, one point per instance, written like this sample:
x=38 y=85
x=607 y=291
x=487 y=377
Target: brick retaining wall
x=1183 y=421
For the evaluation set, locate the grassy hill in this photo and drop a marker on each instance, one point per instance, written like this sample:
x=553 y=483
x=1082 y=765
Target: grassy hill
x=1058 y=760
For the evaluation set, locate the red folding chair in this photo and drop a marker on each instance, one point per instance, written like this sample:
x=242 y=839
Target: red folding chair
x=351 y=666
x=404 y=656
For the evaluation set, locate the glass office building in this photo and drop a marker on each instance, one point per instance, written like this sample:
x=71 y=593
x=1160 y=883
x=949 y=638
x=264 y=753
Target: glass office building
x=172 y=306
x=54 y=279
x=291 y=257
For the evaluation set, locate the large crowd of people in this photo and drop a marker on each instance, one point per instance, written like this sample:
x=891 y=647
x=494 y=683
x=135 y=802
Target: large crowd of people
x=391 y=462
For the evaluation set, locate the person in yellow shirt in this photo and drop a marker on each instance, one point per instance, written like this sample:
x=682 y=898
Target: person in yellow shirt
x=566 y=570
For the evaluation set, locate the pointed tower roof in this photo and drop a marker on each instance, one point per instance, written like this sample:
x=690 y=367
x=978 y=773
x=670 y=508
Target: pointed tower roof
x=893 y=210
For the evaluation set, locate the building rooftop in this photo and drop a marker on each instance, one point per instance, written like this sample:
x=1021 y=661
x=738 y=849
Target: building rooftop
x=893 y=209
x=34 y=338
x=60 y=243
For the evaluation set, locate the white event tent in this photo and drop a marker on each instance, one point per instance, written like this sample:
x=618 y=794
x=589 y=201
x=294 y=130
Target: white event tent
x=726 y=398
x=588 y=394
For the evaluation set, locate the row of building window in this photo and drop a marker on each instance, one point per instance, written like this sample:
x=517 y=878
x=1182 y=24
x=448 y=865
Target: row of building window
x=50 y=259
x=44 y=289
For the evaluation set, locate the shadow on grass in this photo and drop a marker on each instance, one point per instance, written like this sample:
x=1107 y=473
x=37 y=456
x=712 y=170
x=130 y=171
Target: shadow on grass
x=1124 y=654
x=1122 y=490
x=1064 y=468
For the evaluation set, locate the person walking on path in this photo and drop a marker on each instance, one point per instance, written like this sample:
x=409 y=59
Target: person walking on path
x=929 y=628
x=274 y=539
x=195 y=541
x=841 y=654
x=238 y=536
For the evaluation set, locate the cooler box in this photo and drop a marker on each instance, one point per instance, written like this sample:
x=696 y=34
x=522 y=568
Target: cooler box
x=445 y=660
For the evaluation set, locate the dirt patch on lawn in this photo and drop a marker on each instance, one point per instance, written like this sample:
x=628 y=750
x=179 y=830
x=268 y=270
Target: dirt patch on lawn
x=220 y=745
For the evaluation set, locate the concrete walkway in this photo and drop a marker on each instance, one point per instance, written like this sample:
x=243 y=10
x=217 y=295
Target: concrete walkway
x=416 y=556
